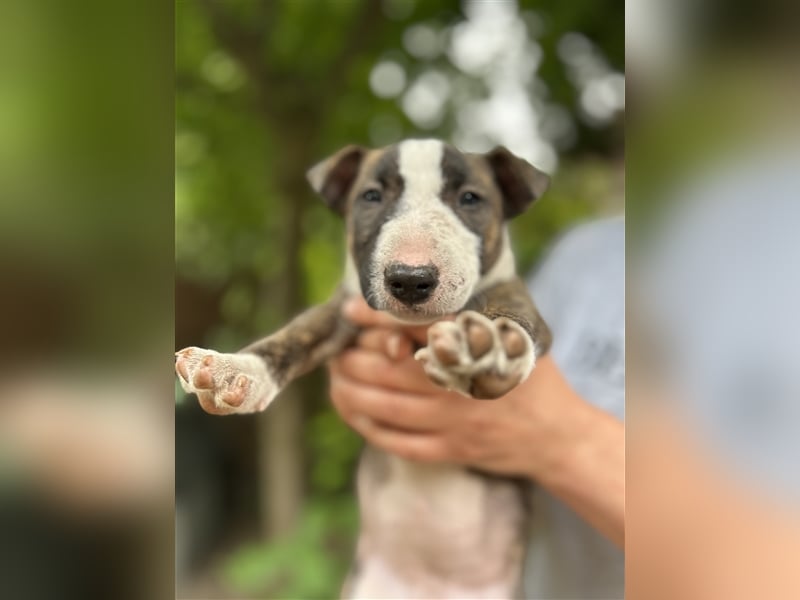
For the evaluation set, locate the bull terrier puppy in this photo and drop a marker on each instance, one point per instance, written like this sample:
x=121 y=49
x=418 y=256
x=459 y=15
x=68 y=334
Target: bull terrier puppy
x=426 y=238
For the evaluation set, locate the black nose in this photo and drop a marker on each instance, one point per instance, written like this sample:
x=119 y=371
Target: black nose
x=411 y=285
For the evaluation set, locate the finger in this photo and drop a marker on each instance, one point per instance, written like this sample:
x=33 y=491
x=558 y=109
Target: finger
x=375 y=369
x=400 y=410
x=391 y=342
x=356 y=310
x=419 y=333
x=420 y=447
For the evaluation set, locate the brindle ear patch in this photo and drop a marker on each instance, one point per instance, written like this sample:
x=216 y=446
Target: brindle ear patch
x=333 y=177
x=520 y=182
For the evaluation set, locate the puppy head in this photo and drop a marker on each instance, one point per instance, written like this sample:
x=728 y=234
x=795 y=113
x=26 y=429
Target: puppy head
x=425 y=222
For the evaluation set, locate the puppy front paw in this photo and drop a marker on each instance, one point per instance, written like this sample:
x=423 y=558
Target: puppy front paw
x=225 y=383
x=477 y=356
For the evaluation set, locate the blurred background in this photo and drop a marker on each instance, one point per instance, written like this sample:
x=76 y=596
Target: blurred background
x=86 y=225
x=712 y=389
x=264 y=90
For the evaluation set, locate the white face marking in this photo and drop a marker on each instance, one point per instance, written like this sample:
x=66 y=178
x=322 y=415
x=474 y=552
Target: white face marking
x=424 y=231
x=350 y=282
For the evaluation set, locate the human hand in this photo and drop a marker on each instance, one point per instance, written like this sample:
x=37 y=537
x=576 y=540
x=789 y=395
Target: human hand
x=383 y=393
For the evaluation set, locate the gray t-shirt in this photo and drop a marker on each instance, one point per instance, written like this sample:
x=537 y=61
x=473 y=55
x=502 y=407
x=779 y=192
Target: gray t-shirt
x=580 y=291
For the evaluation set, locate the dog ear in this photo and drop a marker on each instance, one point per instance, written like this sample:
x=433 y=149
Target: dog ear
x=333 y=177
x=520 y=182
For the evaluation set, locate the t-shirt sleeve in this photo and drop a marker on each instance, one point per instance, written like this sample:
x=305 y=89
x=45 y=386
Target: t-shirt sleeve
x=580 y=291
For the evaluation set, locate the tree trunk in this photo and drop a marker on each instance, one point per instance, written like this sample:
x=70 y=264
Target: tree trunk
x=281 y=428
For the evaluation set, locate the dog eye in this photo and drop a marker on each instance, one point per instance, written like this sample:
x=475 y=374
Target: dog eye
x=372 y=196
x=469 y=199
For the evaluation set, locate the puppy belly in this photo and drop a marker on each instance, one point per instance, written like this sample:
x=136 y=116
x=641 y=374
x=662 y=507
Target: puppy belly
x=432 y=531
x=378 y=579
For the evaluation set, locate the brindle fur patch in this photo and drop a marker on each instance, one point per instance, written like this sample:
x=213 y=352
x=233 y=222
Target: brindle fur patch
x=469 y=173
x=365 y=219
x=512 y=300
x=310 y=339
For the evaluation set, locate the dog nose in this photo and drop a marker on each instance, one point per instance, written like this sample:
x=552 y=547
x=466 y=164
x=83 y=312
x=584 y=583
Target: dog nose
x=411 y=285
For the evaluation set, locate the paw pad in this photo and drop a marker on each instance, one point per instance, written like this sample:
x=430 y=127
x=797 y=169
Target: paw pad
x=513 y=342
x=479 y=338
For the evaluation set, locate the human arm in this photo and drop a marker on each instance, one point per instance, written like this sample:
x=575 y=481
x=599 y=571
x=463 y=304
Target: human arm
x=541 y=430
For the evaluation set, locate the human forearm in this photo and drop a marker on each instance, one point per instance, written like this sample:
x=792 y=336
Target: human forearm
x=578 y=452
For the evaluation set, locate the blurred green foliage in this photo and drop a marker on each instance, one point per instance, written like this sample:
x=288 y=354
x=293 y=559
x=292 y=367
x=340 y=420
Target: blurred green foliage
x=266 y=89
x=85 y=179
x=309 y=563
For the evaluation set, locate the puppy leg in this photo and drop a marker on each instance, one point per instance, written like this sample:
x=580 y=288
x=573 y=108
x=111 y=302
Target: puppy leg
x=247 y=381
